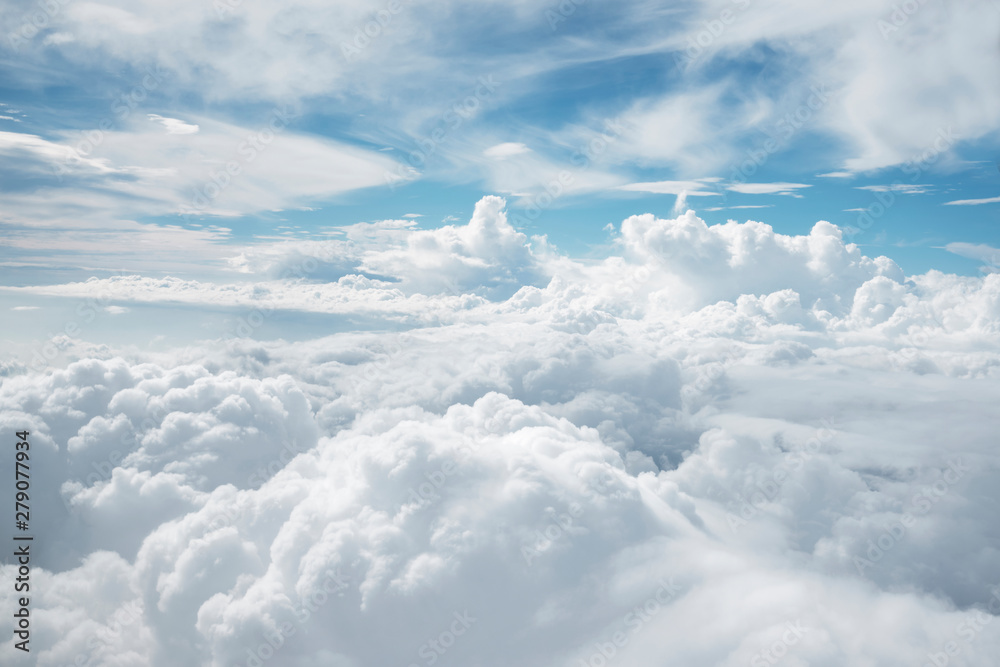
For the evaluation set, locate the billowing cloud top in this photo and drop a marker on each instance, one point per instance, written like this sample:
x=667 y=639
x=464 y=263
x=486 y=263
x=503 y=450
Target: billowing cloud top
x=719 y=443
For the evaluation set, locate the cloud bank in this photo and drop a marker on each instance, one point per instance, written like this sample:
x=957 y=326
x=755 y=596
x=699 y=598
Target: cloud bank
x=718 y=444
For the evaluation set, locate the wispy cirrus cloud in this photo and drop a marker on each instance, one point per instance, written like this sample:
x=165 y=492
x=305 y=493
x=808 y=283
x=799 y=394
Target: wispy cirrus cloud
x=729 y=208
x=693 y=188
x=505 y=150
x=901 y=188
x=174 y=125
x=973 y=202
x=768 y=188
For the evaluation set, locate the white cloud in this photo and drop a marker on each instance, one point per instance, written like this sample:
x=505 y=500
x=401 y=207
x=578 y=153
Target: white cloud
x=173 y=125
x=973 y=202
x=92 y=192
x=681 y=129
x=837 y=174
x=903 y=188
x=695 y=188
x=729 y=208
x=989 y=255
x=57 y=38
x=392 y=258
x=617 y=424
x=506 y=150
x=220 y=170
x=873 y=81
x=767 y=188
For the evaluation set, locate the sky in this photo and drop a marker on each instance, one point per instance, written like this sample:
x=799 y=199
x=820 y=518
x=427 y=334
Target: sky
x=878 y=117
x=570 y=333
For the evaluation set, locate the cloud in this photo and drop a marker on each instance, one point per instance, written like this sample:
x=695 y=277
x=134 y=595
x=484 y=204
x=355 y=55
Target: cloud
x=506 y=150
x=973 y=202
x=487 y=258
x=903 y=188
x=837 y=174
x=173 y=125
x=977 y=251
x=868 y=109
x=728 y=208
x=767 y=188
x=93 y=188
x=685 y=129
x=693 y=188
x=719 y=423
x=220 y=170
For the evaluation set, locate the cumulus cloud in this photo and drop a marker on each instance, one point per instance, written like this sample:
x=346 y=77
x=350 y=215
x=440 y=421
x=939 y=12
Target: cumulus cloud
x=718 y=443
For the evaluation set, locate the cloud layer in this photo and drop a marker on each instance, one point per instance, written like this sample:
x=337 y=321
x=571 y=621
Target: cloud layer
x=719 y=443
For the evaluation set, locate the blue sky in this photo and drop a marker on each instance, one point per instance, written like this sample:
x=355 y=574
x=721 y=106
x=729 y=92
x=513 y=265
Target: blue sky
x=116 y=117
x=523 y=310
